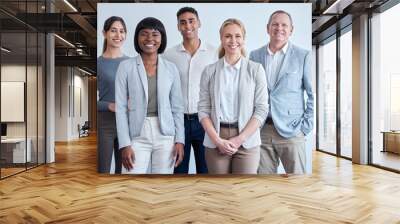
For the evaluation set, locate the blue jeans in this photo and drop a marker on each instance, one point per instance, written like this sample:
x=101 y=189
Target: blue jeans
x=194 y=136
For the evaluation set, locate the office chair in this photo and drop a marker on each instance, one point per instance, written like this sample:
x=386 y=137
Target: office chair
x=84 y=130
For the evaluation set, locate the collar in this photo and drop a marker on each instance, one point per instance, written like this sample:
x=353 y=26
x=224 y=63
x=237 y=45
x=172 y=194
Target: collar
x=283 y=50
x=236 y=66
x=202 y=47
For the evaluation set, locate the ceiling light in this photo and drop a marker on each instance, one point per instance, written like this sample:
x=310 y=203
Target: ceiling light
x=70 y=5
x=64 y=40
x=5 y=50
x=84 y=71
x=337 y=7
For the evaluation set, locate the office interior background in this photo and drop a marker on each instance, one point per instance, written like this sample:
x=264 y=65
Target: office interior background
x=48 y=81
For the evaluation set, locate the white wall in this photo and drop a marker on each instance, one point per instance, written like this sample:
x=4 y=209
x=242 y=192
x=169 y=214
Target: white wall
x=17 y=73
x=61 y=103
x=33 y=126
x=253 y=15
x=69 y=82
x=79 y=117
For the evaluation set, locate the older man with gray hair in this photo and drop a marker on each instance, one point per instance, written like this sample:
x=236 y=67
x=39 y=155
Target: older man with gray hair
x=290 y=118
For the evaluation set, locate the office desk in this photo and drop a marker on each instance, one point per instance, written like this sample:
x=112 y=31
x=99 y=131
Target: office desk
x=13 y=150
x=391 y=141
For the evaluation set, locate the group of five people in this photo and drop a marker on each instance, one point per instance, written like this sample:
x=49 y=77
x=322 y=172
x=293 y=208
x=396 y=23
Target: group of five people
x=240 y=115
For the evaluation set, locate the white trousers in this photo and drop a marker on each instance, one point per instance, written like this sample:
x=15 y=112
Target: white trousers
x=153 y=151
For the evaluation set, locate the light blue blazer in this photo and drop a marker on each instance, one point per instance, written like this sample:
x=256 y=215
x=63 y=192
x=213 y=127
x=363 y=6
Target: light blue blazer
x=253 y=98
x=291 y=115
x=131 y=88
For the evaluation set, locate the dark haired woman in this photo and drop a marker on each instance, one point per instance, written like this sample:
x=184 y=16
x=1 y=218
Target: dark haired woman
x=114 y=32
x=150 y=124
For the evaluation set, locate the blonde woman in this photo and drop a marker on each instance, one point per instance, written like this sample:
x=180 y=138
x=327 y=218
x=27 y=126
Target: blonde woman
x=233 y=105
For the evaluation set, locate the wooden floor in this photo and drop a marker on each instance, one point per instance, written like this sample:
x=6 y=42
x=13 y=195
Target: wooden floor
x=386 y=159
x=10 y=171
x=70 y=191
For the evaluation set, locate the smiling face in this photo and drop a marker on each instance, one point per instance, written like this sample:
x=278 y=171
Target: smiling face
x=188 y=25
x=149 y=40
x=116 y=35
x=280 y=28
x=232 y=39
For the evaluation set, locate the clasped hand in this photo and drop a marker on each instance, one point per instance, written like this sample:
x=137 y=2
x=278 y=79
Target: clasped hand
x=229 y=146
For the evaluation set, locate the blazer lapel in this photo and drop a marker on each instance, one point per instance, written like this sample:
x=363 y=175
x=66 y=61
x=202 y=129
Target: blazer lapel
x=143 y=76
x=263 y=59
x=161 y=79
x=285 y=62
x=217 y=87
x=242 y=83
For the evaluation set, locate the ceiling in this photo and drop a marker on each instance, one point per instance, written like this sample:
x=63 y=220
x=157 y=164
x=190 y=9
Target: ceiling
x=76 y=20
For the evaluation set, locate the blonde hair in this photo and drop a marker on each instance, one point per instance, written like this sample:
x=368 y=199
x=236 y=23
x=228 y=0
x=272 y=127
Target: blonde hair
x=231 y=21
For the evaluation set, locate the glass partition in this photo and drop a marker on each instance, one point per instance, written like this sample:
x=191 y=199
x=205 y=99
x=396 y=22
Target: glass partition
x=31 y=98
x=327 y=97
x=346 y=94
x=385 y=89
x=41 y=96
x=13 y=95
x=22 y=64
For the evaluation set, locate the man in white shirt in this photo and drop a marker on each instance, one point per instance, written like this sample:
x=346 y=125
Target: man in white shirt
x=191 y=57
x=290 y=118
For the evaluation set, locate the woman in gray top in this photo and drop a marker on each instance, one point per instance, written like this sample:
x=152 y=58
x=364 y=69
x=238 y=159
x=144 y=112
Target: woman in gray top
x=114 y=32
x=149 y=105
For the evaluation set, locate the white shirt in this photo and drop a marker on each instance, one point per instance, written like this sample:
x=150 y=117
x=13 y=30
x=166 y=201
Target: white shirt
x=230 y=92
x=273 y=64
x=190 y=69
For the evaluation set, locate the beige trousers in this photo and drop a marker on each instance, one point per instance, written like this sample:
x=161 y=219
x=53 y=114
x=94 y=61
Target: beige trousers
x=292 y=152
x=244 y=161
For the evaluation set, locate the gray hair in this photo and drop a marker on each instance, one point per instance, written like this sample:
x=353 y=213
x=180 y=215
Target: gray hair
x=280 y=12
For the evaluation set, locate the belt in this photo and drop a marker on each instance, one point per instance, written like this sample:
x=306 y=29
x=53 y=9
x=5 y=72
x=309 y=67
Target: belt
x=229 y=125
x=269 y=121
x=191 y=116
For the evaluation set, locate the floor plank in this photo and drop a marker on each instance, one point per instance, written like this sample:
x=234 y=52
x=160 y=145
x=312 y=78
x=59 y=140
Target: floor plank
x=71 y=191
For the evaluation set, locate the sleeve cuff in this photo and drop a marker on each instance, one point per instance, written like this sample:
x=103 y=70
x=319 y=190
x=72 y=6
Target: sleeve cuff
x=102 y=106
x=182 y=141
x=123 y=144
x=260 y=119
x=202 y=115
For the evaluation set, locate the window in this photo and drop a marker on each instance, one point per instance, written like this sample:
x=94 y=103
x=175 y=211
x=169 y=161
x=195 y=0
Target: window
x=385 y=89
x=327 y=97
x=346 y=94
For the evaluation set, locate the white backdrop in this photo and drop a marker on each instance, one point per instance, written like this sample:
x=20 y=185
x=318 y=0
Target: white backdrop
x=253 y=15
